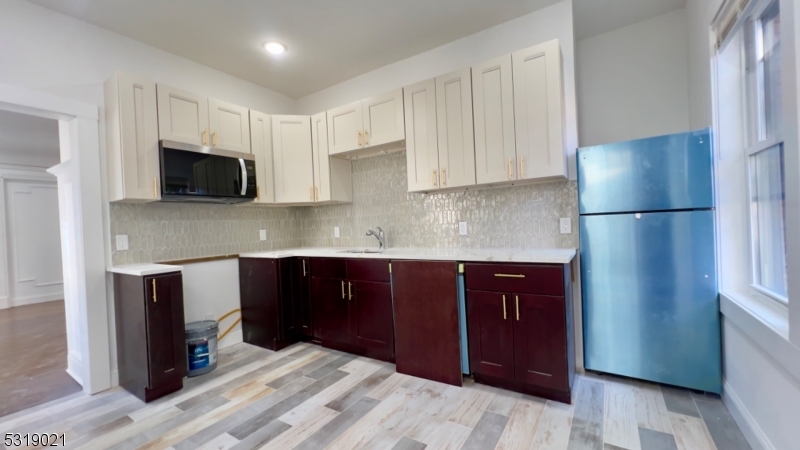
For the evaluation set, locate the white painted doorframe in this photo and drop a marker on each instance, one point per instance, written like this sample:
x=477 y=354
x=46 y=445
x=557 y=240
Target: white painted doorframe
x=84 y=240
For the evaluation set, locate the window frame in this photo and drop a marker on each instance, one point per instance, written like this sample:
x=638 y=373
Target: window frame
x=754 y=113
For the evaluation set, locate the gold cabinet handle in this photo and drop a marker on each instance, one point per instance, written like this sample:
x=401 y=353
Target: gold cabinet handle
x=343 y=296
x=510 y=169
x=214 y=139
x=349 y=290
x=155 y=187
x=435 y=179
x=444 y=177
x=304 y=268
x=366 y=138
x=155 y=297
x=505 y=316
x=521 y=167
x=258 y=191
x=205 y=136
x=517 y=299
x=509 y=275
x=359 y=139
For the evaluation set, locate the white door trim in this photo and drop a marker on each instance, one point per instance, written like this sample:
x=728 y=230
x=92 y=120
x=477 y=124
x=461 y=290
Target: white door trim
x=85 y=238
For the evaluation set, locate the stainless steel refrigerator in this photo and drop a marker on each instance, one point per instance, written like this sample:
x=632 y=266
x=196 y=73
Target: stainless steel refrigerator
x=648 y=260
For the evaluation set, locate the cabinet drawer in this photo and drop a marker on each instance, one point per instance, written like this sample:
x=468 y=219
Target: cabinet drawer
x=328 y=268
x=529 y=279
x=368 y=270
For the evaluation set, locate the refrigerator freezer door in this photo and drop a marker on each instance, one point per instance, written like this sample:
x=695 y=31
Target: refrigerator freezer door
x=650 y=307
x=653 y=174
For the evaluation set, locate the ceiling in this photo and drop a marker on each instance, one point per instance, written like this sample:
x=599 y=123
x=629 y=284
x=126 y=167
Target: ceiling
x=28 y=140
x=328 y=41
x=593 y=17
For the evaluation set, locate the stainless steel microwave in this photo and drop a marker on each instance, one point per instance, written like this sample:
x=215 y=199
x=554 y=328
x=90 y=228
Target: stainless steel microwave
x=193 y=173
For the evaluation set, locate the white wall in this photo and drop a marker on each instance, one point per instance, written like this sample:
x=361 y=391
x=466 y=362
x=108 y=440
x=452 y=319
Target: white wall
x=30 y=243
x=553 y=22
x=211 y=289
x=699 y=14
x=28 y=140
x=633 y=82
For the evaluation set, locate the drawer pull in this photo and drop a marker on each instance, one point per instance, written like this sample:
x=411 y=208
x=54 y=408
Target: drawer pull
x=517 y=298
x=155 y=298
x=350 y=290
x=509 y=275
x=505 y=316
x=540 y=373
x=343 y=296
x=304 y=268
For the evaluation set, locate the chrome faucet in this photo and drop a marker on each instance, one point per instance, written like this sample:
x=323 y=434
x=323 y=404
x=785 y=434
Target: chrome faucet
x=379 y=235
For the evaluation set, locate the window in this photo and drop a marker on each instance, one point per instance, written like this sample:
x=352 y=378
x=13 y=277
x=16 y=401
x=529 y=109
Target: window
x=762 y=38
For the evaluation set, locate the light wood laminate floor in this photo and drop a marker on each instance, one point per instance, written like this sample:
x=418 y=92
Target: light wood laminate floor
x=33 y=356
x=307 y=397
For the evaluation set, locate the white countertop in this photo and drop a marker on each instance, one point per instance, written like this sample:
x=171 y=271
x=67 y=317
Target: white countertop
x=542 y=256
x=141 y=270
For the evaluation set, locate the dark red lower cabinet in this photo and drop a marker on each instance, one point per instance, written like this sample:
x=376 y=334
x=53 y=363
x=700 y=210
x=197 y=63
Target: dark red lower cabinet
x=331 y=310
x=521 y=341
x=372 y=318
x=151 y=351
x=269 y=310
x=491 y=334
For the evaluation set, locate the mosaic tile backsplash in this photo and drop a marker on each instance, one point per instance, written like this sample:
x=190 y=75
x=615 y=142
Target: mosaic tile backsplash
x=516 y=217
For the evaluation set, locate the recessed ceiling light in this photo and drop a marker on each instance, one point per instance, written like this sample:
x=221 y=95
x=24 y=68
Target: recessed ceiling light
x=276 y=48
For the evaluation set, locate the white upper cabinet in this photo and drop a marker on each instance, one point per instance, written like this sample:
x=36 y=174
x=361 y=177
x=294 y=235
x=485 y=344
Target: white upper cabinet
x=422 y=153
x=493 y=103
x=367 y=127
x=132 y=139
x=455 y=129
x=261 y=145
x=332 y=176
x=182 y=116
x=345 y=128
x=229 y=126
x=292 y=156
x=383 y=119
x=539 y=112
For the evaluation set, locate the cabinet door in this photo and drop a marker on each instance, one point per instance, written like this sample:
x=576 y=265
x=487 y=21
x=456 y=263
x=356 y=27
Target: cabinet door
x=132 y=120
x=302 y=292
x=455 y=129
x=229 y=126
x=493 y=103
x=182 y=116
x=422 y=153
x=425 y=297
x=539 y=112
x=261 y=147
x=293 y=164
x=383 y=118
x=371 y=308
x=540 y=341
x=322 y=163
x=289 y=303
x=345 y=128
x=491 y=336
x=166 y=355
x=331 y=310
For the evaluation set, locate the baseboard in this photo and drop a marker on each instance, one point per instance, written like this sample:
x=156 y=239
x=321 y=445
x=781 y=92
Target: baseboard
x=33 y=299
x=752 y=432
x=233 y=338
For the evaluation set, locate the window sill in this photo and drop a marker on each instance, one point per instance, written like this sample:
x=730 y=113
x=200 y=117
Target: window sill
x=766 y=322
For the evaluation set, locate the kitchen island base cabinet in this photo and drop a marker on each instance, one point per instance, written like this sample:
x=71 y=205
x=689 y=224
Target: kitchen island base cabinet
x=269 y=310
x=151 y=351
x=520 y=328
x=426 y=320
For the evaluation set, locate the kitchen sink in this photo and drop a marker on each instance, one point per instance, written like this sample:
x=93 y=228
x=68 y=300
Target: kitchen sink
x=363 y=250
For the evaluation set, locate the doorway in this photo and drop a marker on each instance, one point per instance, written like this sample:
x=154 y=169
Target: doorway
x=33 y=336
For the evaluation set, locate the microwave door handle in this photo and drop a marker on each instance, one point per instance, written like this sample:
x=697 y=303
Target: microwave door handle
x=244 y=176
